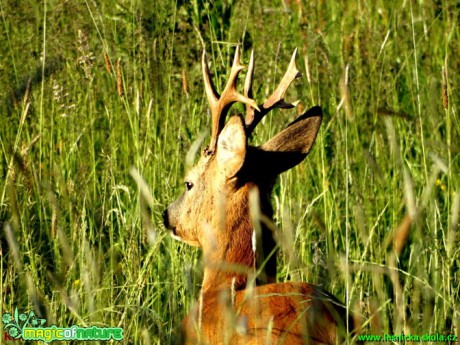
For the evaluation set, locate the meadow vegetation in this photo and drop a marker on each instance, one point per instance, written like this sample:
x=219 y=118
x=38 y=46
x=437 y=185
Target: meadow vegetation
x=98 y=97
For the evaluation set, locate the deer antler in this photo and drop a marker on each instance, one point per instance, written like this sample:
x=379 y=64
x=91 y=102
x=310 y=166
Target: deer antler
x=276 y=100
x=220 y=104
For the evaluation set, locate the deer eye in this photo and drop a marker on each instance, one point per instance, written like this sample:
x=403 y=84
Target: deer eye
x=188 y=185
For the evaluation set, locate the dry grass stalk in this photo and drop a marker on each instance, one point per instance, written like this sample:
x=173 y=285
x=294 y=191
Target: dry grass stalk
x=401 y=234
x=184 y=82
x=13 y=245
x=345 y=94
x=120 y=88
x=108 y=64
x=445 y=98
x=444 y=95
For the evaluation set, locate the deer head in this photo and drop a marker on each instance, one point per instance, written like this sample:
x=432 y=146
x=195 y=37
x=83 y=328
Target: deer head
x=214 y=212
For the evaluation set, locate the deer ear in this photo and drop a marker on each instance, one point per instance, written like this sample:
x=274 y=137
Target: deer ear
x=231 y=147
x=290 y=147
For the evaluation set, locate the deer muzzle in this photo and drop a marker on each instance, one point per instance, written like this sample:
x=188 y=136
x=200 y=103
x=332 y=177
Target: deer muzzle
x=166 y=222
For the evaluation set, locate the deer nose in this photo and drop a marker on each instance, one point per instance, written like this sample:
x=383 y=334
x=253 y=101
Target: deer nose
x=165 y=219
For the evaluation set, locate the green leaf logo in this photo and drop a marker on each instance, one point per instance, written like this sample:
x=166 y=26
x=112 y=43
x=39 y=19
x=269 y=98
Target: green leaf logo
x=14 y=324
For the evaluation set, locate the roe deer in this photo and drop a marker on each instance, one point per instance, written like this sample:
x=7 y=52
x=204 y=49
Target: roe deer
x=214 y=213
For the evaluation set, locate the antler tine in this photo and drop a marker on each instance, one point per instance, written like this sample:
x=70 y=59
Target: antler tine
x=248 y=89
x=276 y=100
x=211 y=92
x=221 y=104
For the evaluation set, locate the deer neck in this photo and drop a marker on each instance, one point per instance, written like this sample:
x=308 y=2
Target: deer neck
x=230 y=259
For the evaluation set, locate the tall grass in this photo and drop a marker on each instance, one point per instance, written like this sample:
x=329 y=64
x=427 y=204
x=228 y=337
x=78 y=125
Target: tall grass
x=373 y=213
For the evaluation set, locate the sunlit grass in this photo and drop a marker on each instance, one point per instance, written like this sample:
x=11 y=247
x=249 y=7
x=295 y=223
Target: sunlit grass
x=373 y=212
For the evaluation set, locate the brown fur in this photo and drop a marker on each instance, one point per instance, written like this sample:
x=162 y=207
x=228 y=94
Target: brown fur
x=288 y=313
